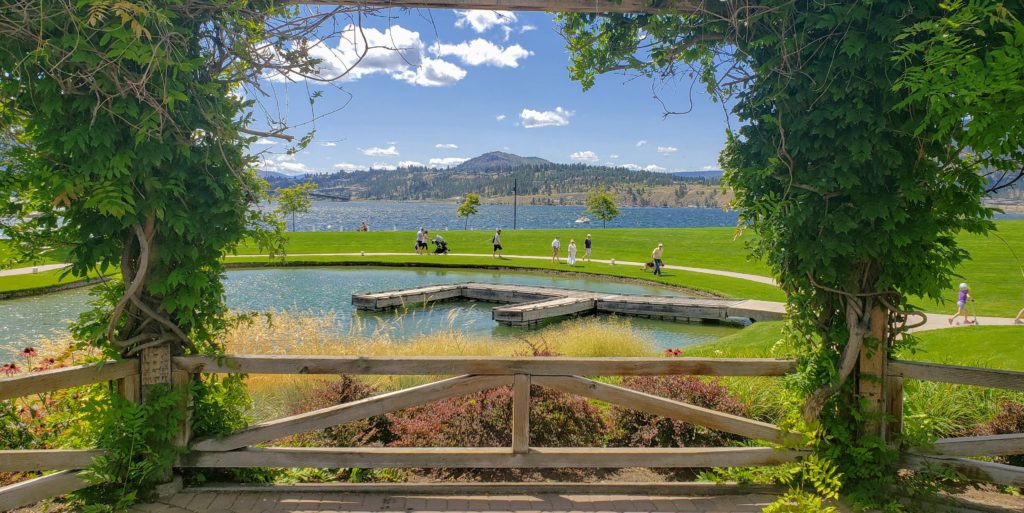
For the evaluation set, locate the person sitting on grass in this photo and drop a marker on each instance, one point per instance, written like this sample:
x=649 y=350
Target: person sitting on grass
x=961 y=304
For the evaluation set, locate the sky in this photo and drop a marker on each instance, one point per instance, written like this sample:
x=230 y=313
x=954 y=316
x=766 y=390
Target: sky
x=441 y=86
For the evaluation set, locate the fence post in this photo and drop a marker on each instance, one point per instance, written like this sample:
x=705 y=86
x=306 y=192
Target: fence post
x=871 y=377
x=521 y=414
x=155 y=369
x=895 y=408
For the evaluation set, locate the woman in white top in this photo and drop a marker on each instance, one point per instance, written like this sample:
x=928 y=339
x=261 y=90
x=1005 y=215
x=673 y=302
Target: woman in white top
x=555 y=246
x=572 y=252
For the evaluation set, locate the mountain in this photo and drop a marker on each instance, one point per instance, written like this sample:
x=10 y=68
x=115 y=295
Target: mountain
x=497 y=176
x=499 y=160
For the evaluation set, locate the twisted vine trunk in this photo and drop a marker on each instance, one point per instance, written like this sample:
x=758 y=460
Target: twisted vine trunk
x=138 y=320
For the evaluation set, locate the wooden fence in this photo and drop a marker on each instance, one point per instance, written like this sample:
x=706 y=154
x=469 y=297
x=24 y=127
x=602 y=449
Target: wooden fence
x=248 y=447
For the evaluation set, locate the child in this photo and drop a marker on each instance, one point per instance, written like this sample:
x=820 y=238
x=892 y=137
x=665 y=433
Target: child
x=961 y=304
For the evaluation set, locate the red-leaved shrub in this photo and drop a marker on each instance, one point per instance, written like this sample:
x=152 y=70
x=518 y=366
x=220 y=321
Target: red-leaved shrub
x=633 y=428
x=371 y=431
x=484 y=420
x=1009 y=421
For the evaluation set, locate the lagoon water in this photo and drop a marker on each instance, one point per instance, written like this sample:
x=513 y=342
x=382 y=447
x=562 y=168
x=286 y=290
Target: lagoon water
x=328 y=290
x=333 y=216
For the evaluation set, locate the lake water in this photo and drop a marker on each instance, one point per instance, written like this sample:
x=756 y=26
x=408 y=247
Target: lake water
x=335 y=216
x=327 y=290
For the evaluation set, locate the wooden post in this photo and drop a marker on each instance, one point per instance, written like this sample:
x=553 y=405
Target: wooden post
x=872 y=373
x=156 y=370
x=129 y=388
x=895 y=408
x=521 y=414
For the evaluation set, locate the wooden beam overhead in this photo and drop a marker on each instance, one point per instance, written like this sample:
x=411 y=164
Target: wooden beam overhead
x=582 y=6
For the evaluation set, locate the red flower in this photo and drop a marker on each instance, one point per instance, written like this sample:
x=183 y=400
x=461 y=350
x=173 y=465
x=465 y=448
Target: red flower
x=29 y=352
x=9 y=369
x=673 y=352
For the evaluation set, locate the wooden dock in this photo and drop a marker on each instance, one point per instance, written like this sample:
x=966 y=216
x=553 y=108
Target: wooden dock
x=526 y=305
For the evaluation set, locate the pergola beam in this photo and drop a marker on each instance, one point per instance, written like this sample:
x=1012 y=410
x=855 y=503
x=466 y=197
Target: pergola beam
x=584 y=6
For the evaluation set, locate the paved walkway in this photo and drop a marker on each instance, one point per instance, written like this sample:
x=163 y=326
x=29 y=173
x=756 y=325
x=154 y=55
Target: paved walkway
x=32 y=270
x=742 y=276
x=256 y=502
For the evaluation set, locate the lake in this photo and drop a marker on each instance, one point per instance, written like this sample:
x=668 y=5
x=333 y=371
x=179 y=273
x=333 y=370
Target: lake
x=328 y=291
x=333 y=216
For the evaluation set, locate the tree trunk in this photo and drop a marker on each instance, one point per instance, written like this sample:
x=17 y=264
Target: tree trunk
x=466 y=227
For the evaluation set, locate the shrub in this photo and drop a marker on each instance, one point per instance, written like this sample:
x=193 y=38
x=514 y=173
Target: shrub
x=372 y=431
x=484 y=419
x=1010 y=420
x=633 y=428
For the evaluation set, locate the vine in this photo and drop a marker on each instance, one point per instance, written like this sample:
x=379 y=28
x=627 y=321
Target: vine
x=855 y=193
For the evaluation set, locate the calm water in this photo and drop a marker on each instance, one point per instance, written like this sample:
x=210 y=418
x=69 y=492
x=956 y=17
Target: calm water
x=335 y=216
x=324 y=290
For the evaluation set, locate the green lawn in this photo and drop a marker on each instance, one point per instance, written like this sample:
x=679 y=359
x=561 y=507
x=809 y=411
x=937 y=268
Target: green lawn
x=994 y=274
x=997 y=347
x=43 y=279
x=696 y=247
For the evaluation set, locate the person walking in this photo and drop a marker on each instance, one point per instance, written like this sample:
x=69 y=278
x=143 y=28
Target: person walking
x=572 y=252
x=420 y=241
x=555 y=246
x=586 y=248
x=961 y=304
x=496 y=241
x=656 y=257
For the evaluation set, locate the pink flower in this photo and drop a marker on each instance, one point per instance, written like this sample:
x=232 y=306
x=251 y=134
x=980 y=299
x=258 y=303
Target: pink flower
x=29 y=352
x=9 y=369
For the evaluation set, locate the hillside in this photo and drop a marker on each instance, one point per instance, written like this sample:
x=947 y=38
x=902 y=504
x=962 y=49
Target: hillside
x=495 y=175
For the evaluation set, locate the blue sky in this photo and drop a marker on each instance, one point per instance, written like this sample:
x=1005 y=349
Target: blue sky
x=435 y=92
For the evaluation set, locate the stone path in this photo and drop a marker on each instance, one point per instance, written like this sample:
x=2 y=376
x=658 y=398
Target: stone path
x=295 y=502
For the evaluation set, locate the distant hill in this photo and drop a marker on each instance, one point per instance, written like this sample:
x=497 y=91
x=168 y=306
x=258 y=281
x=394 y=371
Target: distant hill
x=499 y=160
x=496 y=175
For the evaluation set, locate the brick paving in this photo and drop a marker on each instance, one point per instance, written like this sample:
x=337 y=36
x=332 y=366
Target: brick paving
x=301 y=502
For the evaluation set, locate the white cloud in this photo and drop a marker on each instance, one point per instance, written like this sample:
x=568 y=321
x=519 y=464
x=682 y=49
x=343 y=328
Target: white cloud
x=533 y=119
x=631 y=167
x=383 y=166
x=448 y=146
x=264 y=141
x=285 y=164
x=527 y=28
x=481 y=20
x=349 y=168
x=640 y=143
x=500 y=117
x=329 y=144
x=480 y=51
x=508 y=31
x=396 y=52
x=447 y=161
x=613 y=156
x=584 y=156
x=667 y=150
x=410 y=163
x=654 y=168
x=390 y=151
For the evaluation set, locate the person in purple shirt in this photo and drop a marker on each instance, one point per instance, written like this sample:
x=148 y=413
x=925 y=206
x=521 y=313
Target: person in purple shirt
x=961 y=304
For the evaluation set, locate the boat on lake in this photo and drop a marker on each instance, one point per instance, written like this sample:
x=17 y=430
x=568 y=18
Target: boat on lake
x=582 y=220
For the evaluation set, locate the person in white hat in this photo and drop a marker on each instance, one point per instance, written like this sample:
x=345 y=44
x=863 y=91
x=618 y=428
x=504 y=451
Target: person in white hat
x=656 y=257
x=961 y=304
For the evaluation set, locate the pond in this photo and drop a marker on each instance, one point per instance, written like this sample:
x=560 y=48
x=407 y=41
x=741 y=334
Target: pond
x=327 y=291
